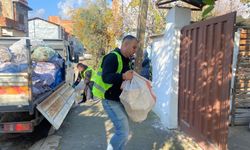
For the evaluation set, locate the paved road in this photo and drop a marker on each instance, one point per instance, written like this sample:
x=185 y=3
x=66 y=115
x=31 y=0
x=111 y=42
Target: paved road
x=87 y=128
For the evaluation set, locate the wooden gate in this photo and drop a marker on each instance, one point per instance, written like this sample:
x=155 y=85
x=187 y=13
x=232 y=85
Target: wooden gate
x=204 y=80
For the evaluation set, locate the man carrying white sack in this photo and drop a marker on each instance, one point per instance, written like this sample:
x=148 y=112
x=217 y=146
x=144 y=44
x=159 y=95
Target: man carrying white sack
x=113 y=70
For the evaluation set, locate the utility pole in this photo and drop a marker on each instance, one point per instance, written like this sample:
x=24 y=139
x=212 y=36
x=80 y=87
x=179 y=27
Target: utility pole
x=141 y=29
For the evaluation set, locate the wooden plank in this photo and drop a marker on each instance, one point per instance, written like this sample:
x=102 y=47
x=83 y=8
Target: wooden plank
x=242 y=91
x=242 y=81
x=245 y=41
x=242 y=100
x=243 y=115
x=242 y=86
x=244 y=75
x=241 y=121
x=244 y=35
x=243 y=65
x=242 y=104
x=244 y=31
x=245 y=48
x=241 y=96
x=244 y=54
x=241 y=69
x=242 y=110
x=244 y=60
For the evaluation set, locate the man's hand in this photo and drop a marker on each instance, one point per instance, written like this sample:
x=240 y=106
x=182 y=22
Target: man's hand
x=127 y=75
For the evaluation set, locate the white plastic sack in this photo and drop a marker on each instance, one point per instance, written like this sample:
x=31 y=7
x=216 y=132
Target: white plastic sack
x=43 y=54
x=5 y=55
x=35 y=43
x=19 y=51
x=137 y=97
x=45 y=71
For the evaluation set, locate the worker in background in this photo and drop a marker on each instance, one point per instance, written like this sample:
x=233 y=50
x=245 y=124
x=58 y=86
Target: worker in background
x=113 y=70
x=85 y=73
x=146 y=67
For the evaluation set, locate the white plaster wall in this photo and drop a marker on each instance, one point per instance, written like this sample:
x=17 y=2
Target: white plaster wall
x=43 y=30
x=234 y=65
x=165 y=62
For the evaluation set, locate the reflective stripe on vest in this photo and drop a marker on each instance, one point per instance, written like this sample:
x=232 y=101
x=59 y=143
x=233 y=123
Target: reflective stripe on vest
x=100 y=87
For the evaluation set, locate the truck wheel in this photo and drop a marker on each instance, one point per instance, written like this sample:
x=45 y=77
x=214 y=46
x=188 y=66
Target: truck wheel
x=43 y=128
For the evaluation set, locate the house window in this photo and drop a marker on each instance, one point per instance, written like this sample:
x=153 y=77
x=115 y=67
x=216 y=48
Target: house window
x=21 y=18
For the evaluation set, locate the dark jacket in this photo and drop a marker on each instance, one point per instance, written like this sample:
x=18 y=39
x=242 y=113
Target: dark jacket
x=86 y=79
x=109 y=75
x=145 y=71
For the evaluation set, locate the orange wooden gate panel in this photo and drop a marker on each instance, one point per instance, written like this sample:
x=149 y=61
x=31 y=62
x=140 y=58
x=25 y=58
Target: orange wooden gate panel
x=204 y=80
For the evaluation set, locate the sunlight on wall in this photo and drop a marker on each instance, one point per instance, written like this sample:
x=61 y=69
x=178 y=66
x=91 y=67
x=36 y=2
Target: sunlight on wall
x=165 y=62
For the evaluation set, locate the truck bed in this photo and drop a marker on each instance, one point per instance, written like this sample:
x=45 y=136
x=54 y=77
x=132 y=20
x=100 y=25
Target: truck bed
x=16 y=88
x=16 y=93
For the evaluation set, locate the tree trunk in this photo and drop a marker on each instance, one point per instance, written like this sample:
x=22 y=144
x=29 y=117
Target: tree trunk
x=141 y=29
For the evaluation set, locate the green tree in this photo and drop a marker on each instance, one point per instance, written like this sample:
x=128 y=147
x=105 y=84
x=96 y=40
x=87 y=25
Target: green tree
x=210 y=6
x=245 y=1
x=155 y=21
x=93 y=26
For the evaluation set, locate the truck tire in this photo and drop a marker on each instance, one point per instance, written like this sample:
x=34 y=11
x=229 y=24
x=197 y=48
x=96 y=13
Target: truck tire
x=43 y=128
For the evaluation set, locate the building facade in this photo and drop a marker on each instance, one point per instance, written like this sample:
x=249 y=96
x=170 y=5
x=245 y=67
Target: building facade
x=14 y=17
x=43 y=29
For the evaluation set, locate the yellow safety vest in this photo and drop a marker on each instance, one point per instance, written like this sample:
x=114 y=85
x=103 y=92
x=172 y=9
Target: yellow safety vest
x=100 y=87
x=93 y=73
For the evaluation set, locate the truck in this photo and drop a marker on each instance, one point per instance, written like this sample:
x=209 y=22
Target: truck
x=20 y=112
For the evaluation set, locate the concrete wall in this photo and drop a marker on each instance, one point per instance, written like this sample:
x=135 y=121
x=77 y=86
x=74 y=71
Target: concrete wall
x=165 y=64
x=44 y=30
x=234 y=64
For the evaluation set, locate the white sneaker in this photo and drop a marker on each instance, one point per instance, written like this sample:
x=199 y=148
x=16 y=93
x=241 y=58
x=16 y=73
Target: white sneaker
x=110 y=147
